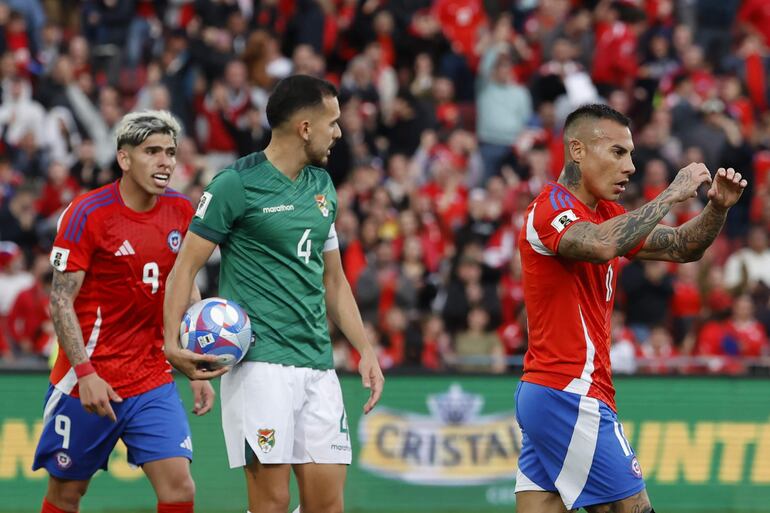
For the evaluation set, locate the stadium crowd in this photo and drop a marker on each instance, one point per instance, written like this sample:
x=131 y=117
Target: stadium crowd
x=451 y=116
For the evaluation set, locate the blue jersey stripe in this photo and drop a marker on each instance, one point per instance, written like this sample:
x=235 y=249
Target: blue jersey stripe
x=553 y=201
x=79 y=229
x=75 y=218
x=560 y=197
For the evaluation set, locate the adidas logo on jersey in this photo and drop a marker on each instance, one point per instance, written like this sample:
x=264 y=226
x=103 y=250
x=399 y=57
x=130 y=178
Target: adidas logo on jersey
x=186 y=444
x=125 y=249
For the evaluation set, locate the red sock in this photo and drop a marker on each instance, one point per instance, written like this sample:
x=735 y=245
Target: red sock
x=175 y=507
x=50 y=508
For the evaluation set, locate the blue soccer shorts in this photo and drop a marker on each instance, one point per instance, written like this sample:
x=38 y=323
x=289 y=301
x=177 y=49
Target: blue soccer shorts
x=75 y=444
x=575 y=446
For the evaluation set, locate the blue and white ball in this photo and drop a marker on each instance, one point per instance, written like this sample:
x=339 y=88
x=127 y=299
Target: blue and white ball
x=216 y=326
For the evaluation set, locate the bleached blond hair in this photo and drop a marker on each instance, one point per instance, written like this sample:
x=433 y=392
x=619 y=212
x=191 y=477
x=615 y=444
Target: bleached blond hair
x=135 y=127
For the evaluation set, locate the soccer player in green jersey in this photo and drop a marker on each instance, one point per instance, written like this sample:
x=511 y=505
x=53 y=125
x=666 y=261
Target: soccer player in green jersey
x=272 y=214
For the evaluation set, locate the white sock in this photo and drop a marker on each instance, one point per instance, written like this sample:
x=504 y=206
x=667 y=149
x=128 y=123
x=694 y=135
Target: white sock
x=296 y=510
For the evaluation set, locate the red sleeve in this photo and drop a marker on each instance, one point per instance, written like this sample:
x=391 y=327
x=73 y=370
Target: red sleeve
x=74 y=241
x=547 y=223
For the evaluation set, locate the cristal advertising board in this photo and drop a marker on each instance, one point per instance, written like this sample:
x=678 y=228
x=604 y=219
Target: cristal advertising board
x=449 y=444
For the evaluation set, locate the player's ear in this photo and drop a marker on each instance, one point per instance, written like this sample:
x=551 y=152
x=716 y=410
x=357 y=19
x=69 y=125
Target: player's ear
x=124 y=159
x=304 y=129
x=576 y=149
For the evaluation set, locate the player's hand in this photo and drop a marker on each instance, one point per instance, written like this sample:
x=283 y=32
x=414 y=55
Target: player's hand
x=372 y=378
x=726 y=188
x=203 y=397
x=96 y=394
x=688 y=180
x=193 y=365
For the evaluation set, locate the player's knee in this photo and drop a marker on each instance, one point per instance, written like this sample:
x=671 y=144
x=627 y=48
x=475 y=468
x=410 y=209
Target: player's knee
x=327 y=505
x=275 y=499
x=179 y=489
x=66 y=495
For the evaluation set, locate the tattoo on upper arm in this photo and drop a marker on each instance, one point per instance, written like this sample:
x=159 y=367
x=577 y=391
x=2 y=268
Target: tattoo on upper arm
x=64 y=288
x=579 y=242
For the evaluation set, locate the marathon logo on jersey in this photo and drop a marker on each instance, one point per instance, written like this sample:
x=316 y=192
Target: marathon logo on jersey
x=561 y=221
x=455 y=444
x=59 y=258
x=279 y=208
x=63 y=460
x=266 y=439
x=320 y=200
x=174 y=240
x=203 y=204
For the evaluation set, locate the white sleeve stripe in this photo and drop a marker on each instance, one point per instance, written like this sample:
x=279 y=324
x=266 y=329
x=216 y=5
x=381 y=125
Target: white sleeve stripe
x=332 y=242
x=533 y=238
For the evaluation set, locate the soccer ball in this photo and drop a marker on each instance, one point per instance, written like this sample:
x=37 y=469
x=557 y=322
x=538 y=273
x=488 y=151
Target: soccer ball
x=216 y=326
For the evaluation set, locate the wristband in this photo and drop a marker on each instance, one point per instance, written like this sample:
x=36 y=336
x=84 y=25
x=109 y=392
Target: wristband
x=84 y=369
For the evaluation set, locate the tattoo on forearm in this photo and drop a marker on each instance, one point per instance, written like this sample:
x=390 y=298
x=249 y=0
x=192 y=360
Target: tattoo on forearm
x=689 y=241
x=572 y=175
x=622 y=233
x=63 y=289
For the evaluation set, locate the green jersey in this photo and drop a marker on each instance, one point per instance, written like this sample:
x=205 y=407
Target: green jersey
x=272 y=233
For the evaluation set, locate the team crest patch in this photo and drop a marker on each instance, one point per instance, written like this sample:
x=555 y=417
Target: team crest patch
x=174 y=240
x=561 y=221
x=63 y=460
x=636 y=468
x=320 y=200
x=266 y=439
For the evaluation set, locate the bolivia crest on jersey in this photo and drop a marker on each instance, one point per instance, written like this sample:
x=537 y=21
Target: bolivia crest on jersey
x=320 y=200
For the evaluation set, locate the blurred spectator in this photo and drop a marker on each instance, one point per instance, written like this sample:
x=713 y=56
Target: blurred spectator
x=476 y=348
x=503 y=108
x=648 y=289
x=383 y=285
x=622 y=348
x=658 y=351
x=750 y=266
x=13 y=280
x=29 y=319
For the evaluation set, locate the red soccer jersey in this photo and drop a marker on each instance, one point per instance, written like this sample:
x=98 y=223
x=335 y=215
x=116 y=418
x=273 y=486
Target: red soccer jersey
x=568 y=302
x=127 y=256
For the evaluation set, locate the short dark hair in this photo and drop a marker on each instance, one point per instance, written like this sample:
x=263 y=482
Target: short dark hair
x=595 y=111
x=294 y=93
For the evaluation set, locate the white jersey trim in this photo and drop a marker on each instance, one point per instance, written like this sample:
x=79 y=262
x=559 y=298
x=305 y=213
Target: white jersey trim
x=533 y=238
x=580 y=453
x=583 y=383
x=68 y=382
x=332 y=242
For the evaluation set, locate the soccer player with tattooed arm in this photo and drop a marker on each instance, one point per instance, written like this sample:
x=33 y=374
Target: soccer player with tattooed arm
x=113 y=251
x=574 y=452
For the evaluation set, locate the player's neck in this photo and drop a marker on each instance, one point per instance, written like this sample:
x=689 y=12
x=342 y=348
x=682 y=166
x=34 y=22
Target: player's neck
x=283 y=155
x=135 y=197
x=579 y=191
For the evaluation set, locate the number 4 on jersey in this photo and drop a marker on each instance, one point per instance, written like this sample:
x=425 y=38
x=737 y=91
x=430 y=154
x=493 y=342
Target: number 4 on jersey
x=303 y=246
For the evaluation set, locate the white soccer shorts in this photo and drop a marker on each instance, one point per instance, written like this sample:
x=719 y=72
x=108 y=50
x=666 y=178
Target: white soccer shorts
x=284 y=414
